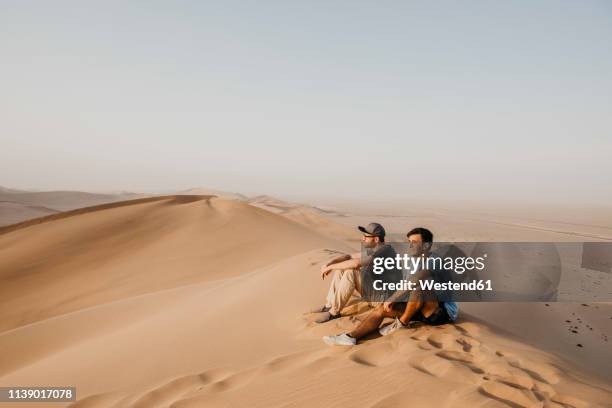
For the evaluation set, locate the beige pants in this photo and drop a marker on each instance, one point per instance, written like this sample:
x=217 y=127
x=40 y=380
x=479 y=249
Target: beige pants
x=343 y=285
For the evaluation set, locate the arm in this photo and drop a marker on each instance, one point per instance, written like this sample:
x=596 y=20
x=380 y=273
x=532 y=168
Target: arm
x=394 y=298
x=397 y=296
x=352 y=261
x=402 y=295
x=341 y=258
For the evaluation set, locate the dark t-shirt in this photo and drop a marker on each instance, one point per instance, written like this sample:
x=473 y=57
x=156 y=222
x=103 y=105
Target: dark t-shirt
x=388 y=275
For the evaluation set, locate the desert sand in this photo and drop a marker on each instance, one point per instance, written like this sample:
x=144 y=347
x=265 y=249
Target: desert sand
x=197 y=301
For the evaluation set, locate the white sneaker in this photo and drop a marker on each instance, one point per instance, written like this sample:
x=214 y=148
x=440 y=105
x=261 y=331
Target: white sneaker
x=391 y=328
x=340 y=340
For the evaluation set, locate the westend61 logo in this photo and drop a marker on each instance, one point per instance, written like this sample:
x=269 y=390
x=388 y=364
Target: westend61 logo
x=413 y=264
x=491 y=271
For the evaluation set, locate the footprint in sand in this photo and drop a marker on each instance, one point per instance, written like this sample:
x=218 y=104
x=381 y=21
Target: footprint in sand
x=496 y=369
x=421 y=334
x=430 y=364
x=472 y=361
x=537 y=384
x=512 y=396
x=227 y=383
x=569 y=401
x=425 y=345
x=470 y=329
x=290 y=361
x=404 y=344
x=172 y=391
x=376 y=355
x=468 y=343
x=417 y=398
x=442 y=340
x=541 y=372
x=544 y=391
x=446 y=341
x=519 y=391
x=516 y=381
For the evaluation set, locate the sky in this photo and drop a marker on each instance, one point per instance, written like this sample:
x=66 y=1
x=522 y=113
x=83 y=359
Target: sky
x=320 y=100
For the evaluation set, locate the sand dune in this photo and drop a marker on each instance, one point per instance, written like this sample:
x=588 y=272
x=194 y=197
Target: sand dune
x=85 y=257
x=197 y=301
x=231 y=344
x=219 y=193
x=17 y=205
x=272 y=204
x=12 y=213
x=63 y=200
x=308 y=216
x=10 y=190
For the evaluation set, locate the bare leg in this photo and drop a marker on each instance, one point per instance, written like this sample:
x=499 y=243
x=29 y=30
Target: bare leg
x=426 y=308
x=419 y=300
x=372 y=322
x=429 y=307
x=411 y=308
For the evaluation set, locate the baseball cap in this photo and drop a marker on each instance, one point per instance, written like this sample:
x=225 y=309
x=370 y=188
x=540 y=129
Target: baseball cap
x=373 y=228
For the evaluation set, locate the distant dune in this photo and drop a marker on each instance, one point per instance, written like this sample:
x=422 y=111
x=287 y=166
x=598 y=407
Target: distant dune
x=18 y=205
x=311 y=217
x=271 y=204
x=12 y=213
x=219 y=193
x=9 y=190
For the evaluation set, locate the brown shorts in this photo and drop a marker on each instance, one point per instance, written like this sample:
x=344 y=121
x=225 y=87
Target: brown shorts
x=438 y=317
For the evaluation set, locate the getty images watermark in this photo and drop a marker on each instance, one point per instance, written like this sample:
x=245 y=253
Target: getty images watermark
x=433 y=263
x=495 y=271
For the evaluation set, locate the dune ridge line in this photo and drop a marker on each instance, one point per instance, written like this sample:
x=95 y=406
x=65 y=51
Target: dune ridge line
x=100 y=207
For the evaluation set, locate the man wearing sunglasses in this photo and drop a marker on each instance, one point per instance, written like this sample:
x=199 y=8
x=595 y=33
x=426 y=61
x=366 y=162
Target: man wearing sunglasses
x=420 y=305
x=350 y=271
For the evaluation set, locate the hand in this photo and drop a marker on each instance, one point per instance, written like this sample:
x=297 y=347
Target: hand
x=388 y=306
x=325 y=271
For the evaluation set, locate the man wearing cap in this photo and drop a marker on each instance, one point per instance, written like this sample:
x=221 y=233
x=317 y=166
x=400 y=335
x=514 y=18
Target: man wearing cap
x=421 y=305
x=352 y=270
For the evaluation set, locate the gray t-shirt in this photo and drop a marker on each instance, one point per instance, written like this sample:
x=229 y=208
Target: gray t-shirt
x=368 y=276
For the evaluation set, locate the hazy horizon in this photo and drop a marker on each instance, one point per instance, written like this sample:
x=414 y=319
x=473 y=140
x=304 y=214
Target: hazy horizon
x=478 y=101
